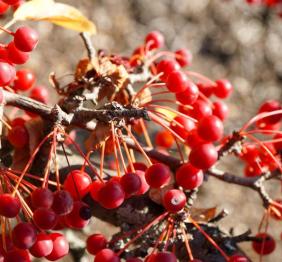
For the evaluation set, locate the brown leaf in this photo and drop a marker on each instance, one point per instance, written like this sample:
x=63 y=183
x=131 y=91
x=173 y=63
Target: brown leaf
x=203 y=214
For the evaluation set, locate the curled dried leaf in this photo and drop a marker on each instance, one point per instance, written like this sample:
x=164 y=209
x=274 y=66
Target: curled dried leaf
x=203 y=214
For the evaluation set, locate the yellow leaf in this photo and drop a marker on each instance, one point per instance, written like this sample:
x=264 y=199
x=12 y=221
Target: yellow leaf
x=57 y=13
x=169 y=114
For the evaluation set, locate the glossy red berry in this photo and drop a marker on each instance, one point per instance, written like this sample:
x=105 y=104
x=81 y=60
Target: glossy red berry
x=76 y=219
x=25 y=39
x=77 y=184
x=3 y=7
x=94 y=189
x=18 y=136
x=7 y=73
x=164 y=139
x=131 y=183
x=203 y=156
x=18 y=255
x=9 y=206
x=111 y=195
x=15 y=55
x=45 y=218
x=95 y=243
x=223 y=88
x=238 y=258
x=40 y=93
x=189 y=177
x=200 y=110
x=63 y=202
x=183 y=57
x=265 y=246
x=190 y=95
x=24 y=80
x=210 y=128
x=206 y=89
x=42 y=247
x=42 y=197
x=174 y=200
x=154 y=40
x=157 y=175
x=106 y=255
x=166 y=67
x=182 y=126
x=220 y=109
x=193 y=139
x=164 y=257
x=24 y=235
x=253 y=169
x=269 y=106
x=60 y=247
x=176 y=82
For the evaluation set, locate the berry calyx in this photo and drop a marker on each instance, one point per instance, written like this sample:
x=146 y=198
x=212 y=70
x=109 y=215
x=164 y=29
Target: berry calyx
x=157 y=175
x=174 y=200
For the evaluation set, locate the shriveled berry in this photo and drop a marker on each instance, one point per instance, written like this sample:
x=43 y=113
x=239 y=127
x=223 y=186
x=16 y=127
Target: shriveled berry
x=95 y=243
x=157 y=175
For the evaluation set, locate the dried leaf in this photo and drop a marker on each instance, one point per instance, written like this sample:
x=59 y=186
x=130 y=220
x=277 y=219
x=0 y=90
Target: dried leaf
x=203 y=214
x=57 y=13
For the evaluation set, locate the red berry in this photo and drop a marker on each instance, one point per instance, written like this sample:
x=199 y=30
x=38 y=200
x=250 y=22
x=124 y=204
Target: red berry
x=250 y=153
x=164 y=139
x=15 y=55
x=94 y=189
x=42 y=247
x=203 y=156
x=200 y=109
x=18 y=121
x=95 y=243
x=3 y=7
x=9 y=206
x=157 y=175
x=182 y=126
x=190 y=95
x=137 y=166
x=144 y=185
x=75 y=219
x=189 y=177
x=39 y=93
x=106 y=255
x=24 y=235
x=238 y=258
x=174 y=200
x=131 y=183
x=18 y=136
x=25 y=39
x=166 y=67
x=177 y=82
x=270 y=106
x=24 y=80
x=63 y=202
x=210 y=128
x=133 y=259
x=111 y=195
x=60 y=247
x=154 y=40
x=223 y=88
x=11 y=2
x=164 y=257
x=206 y=89
x=17 y=255
x=220 y=109
x=7 y=73
x=265 y=246
x=77 y=184
x=183 y=57
x=193 y=139
x=44 y=218
x=253 y=169
x=42 y=197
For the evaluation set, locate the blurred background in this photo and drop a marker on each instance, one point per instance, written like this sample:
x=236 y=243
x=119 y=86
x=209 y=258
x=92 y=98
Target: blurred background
x=227 y=38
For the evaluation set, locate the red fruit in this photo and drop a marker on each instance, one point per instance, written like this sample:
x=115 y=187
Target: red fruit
x=237 y=258
x=44 y=218
x=206 y=89
x=210 y=128
x=106 y=255
x=11 y=2
x=174 y=200
x=95 y=243
x=133 y=259
x=203 y=156
x=94 y=189
x=77 y=184
x=176 y=82
x=163 y=257
x=270 y=106
x=157 y=175
x=166 y=67
x=137 y=166
x=42 y=197
x=9 y=206
x=154 y=40
x=24 y=80
x=220 y=109
x=190 y=95
x=18 y=121
x=40 y=93
x=17 y=255
x=265 y=246
x=200 y=110
x=193 y=139
x=250 y=153
x=111 y=195
x=15 y=55
x=182 y=126
x=3 y=7
x=183 y=57
x=25 y=39
x=144 y=185
x=75 y=219
x=189 y=177
x=131 y=183
x=253 y=169
x=18 y=136
x=42 y=247
x=60 y=247
x=63 y=202
x=164 y=139
x=7 y=73
x=223 y=88
x=24 y=235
